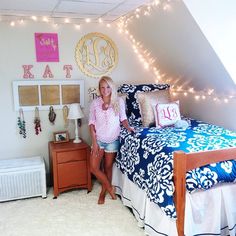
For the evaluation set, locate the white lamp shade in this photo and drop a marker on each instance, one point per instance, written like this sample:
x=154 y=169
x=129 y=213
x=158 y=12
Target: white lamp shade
x=75 y=111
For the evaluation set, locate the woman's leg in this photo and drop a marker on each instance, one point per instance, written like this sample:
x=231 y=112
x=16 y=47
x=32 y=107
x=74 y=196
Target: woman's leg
x=102 y=195
x=107 y=168
x=108 y=163
x=95 y=162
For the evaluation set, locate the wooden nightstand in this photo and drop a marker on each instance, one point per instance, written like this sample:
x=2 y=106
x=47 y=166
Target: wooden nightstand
x=70 y=167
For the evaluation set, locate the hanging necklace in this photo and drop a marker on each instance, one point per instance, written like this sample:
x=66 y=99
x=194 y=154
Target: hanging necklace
x=37 y=126
x=52 y=115
x=105 y=106
x=65 y=111
x=21 y=123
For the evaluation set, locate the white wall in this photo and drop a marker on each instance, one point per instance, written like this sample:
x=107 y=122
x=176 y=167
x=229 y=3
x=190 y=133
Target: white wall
x=184 y=54
x=218 y=27
x=17 y=48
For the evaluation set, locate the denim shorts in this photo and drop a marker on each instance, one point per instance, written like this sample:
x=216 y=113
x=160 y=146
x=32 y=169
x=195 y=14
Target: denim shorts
x=109 y=147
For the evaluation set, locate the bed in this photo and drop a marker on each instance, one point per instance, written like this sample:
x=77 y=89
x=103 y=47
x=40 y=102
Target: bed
x=153 y=176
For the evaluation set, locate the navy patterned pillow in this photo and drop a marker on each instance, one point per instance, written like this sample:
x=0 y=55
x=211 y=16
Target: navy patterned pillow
x=131 y=90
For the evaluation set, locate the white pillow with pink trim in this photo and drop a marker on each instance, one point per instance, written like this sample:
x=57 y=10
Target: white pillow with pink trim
x=167 y=114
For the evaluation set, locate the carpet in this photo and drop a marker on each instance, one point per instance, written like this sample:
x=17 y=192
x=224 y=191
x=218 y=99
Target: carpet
x=72 y=213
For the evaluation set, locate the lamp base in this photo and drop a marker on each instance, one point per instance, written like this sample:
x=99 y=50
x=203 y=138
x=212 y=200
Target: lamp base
x=77 y=140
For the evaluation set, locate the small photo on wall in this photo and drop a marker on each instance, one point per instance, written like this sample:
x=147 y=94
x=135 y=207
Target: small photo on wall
x=46 y=46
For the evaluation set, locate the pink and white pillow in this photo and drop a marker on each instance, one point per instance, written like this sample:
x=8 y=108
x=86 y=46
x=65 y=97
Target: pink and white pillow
x=167 y=114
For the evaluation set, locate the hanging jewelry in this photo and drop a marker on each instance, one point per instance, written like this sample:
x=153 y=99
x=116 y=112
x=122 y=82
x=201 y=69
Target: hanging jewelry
x=65 y=111
x=21 y=123
x=52 y=115
x=37 y=126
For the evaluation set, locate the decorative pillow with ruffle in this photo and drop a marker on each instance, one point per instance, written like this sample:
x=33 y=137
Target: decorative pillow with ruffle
x=133 y=111
x=167 y=114
x=146 y=102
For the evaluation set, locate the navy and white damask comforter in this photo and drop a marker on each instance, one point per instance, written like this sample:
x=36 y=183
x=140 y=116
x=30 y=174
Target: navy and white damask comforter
x=146 y=157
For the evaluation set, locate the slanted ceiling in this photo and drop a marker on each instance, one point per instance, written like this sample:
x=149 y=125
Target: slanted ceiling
x=181 y=49
x=218 y=27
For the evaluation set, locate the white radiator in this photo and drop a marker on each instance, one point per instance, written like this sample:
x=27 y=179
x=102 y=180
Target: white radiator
x=22 y=178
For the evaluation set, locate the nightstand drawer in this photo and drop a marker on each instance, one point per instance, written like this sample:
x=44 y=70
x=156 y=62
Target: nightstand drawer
x=75 y=155
x=72 y=174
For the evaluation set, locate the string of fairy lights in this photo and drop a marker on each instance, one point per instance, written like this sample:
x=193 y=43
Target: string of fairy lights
x=54 y=21
x=146 y=59
x=203 y=95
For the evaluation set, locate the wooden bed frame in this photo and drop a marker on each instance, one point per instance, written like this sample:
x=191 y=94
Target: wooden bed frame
x=184 y=162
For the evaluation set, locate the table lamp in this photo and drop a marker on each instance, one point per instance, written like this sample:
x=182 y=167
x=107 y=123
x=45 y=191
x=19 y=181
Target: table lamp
x=75 y=113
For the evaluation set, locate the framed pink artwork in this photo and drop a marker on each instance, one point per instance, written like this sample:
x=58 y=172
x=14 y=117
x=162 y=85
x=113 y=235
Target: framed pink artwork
x=46 y=45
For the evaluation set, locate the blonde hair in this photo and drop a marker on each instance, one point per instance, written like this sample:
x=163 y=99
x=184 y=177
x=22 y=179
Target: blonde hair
x=114 y=96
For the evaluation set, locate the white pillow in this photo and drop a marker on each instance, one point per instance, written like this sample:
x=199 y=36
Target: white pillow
x=167 y=114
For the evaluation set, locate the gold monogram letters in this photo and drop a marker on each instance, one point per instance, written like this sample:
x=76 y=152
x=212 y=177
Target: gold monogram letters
x=96 y=55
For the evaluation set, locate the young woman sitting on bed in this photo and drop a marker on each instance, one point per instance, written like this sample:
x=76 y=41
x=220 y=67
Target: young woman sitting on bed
x=106 y=114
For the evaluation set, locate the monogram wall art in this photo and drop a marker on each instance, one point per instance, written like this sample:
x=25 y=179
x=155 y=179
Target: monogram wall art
x=96 y=54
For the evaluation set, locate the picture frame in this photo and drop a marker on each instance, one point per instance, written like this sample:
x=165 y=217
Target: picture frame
x=61 y=136
x=46 y=47
x=28 y=94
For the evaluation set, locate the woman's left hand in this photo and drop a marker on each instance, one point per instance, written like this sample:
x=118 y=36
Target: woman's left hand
x=131 y=129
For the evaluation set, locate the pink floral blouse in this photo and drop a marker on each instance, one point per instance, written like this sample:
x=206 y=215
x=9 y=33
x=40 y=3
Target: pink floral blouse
x=106 y=122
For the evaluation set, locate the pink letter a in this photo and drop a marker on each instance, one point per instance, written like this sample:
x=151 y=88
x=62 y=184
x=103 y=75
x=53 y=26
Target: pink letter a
x=47 y=72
